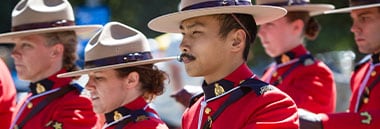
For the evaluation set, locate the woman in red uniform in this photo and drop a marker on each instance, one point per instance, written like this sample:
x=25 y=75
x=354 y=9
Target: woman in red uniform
x=216 y=39
x=45 y=38
x=295 y=71
x=123 y=79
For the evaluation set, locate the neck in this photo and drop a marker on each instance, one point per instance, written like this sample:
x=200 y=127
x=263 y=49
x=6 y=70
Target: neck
x=51 y=70
x=224 y=71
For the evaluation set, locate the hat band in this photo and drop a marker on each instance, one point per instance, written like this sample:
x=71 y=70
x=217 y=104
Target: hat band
x=216 y=4
x=43 y=25
x=130 y=57
x=289 y=3
x=363 y=2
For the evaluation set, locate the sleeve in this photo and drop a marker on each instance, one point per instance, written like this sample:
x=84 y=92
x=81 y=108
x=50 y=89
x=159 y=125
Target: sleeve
x=312 y=88
x=75 y=113
x=359 y=120
x=276 y=110
x=7 y=97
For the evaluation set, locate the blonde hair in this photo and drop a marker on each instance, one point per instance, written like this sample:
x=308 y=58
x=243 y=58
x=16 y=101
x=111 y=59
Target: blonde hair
x=69 y=40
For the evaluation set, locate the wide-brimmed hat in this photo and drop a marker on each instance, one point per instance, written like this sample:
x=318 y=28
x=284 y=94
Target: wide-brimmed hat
x=116 y=46
x=43 y=16
x=356 y=4
x=298 y=5
x=194 y=8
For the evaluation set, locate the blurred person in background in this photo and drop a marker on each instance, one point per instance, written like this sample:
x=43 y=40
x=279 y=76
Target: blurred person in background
x=295 y=71
x=7 y=96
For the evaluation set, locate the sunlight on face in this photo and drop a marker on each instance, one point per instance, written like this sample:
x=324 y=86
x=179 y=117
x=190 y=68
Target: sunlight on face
x=107 y=91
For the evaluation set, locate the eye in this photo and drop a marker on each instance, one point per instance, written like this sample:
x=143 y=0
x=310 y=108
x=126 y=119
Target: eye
x=25 y=45
x=363 y=19
x=98 y=78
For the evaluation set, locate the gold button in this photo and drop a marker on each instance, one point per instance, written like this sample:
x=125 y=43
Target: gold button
x=373 y=73
x=207 y=110
x=30 y=105
x=274 y=74
x=365 y=100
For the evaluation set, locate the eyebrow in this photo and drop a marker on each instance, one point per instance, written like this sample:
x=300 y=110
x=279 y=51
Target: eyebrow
x=195 y=24
x=364 y=13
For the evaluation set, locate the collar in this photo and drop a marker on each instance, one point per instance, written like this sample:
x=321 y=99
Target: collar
x=124 y=111
x=226 y=84
x=296 y=52
x=375 y=58
x=49 y=83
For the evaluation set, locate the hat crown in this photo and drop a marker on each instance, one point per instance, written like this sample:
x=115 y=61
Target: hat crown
x=115 y=39
x=41 y=11
x=282 y=2
x=206 y=3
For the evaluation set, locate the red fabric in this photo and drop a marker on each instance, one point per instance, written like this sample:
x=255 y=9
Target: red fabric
x=7 y=97
x=72 y=110
x=151 y=123
x=271 y=110
x=311 y=86
x=353 y=119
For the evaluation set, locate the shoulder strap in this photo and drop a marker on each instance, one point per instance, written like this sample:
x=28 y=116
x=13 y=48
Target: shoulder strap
x=303 y=60
x=136 y=116
x=363 y=61
x=259 y=87
x=49 y=98
x=195 y=98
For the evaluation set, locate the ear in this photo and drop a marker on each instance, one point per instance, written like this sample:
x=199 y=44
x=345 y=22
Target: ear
x=238 y=40
x=57 y=50
x=132 y=80
x=298 y=26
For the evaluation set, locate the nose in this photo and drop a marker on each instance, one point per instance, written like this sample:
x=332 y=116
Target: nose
x=15 y=52
x=90 y=85
x=184 y=47
x=261 y=31
x=355 y=27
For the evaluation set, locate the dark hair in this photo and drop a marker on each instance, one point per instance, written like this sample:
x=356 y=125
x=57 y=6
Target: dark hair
x=312 y=27
x=69 y=40
x=228 y=23
x=151 y=78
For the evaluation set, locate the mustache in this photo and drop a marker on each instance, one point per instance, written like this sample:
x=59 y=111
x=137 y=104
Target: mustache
x=185 y=55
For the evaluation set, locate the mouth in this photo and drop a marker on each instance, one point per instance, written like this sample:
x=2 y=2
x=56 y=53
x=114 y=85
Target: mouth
x=94 y=97
x=186 y=58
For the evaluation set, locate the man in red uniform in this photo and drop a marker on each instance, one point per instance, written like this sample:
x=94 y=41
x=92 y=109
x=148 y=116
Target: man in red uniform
x=295 y=71
x=44 y=34
x=7 y=96
x=215 y=44
x=364 y=109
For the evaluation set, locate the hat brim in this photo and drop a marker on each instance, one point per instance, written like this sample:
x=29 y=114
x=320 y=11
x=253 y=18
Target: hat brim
x=314 y=9
x=171 y=22
x=116 y=66
x=80 y=30
x=349 y=9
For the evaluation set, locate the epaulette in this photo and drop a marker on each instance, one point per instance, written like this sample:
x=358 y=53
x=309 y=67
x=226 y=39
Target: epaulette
x=364 y=60
x=195 y=98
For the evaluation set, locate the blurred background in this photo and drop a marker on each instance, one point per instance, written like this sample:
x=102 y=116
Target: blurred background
x=335 y=44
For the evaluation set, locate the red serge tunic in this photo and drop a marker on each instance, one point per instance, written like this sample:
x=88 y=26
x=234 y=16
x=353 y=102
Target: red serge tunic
x=7 y=97
x=135 y=115
x=309 y=82
x=364 y=111
x=70 y=111
x=272 y=109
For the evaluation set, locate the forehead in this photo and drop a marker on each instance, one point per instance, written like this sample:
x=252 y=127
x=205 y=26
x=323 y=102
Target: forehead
x=359 y=12
x=36 y=38
x=201 y=21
